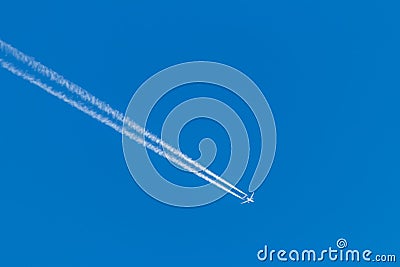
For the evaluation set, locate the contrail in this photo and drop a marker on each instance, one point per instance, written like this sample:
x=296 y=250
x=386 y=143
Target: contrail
x=8 y=66
x=178 y=157
x=85 y=95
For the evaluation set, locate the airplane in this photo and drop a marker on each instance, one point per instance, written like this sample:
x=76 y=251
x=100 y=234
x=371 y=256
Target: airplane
x=249 y=199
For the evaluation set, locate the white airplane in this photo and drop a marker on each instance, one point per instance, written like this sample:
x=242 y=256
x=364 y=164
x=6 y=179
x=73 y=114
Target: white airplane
x=249 y=199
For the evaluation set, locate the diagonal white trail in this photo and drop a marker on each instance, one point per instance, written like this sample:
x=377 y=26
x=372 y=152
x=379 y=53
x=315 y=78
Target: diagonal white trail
x=108 y=122
x=115 y=114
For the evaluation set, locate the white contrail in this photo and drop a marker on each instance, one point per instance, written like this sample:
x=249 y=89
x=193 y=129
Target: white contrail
x=8 y=66
x=85 y=95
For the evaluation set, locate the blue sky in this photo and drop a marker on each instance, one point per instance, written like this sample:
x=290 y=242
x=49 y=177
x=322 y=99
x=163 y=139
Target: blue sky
x=329 y=70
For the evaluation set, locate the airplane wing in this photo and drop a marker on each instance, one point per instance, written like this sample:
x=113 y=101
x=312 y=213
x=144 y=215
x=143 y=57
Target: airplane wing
x=248 y=199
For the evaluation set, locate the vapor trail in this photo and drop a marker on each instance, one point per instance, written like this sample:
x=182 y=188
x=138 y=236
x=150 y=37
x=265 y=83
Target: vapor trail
x=86 y=96
x=11 y=68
